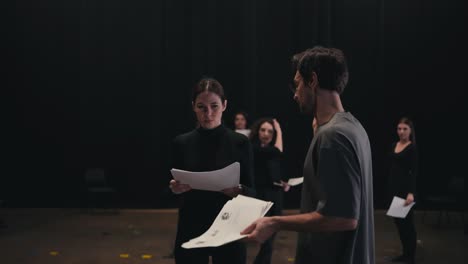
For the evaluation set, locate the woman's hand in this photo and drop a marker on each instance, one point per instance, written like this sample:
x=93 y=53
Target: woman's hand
x=276 y=125
x=409 y=199
x=233 y=192
x=178 y=188
x=279 y=135
x=285 y=186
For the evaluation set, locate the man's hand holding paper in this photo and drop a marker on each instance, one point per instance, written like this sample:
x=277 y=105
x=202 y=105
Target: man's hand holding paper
x=234 y=217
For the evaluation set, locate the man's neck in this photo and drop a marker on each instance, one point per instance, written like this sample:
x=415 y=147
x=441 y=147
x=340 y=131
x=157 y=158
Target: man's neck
x=328 y=104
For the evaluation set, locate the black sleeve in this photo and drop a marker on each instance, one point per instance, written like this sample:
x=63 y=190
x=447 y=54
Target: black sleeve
x=175 y=154
x=173 y=162
x=413 y=174
x=275 y=167
x=247 y=171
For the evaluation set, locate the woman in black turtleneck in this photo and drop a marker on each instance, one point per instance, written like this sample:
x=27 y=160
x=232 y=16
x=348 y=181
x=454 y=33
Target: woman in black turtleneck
x=211 y=146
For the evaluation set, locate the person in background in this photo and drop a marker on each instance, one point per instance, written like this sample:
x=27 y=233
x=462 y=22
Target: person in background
x=336 y=220
x=403 y=159
x=209 y=147
x=267 y=143
x=241 y=123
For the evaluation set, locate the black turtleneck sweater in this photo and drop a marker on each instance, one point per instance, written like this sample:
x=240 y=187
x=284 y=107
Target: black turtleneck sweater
x=207 y=150
x=267 y=167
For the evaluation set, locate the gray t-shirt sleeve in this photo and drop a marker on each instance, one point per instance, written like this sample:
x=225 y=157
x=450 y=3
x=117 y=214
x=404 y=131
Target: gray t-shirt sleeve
x=339 y=174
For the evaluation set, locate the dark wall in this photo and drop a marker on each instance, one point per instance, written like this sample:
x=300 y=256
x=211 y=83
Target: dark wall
x=107 y=84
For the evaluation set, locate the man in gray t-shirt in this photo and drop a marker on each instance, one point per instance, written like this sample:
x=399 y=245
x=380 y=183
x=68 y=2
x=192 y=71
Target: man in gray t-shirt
x=338 y=183
x=336 y=223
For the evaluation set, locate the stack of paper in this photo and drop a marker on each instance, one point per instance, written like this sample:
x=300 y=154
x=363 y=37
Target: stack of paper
x=216 y=180
x=235 y=216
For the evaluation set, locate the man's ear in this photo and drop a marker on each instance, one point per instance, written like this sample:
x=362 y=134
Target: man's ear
x=313 y=79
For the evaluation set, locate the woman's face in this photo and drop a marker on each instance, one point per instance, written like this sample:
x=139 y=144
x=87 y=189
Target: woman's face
x=265 y=133
x=403 y=131
x=240 y=122
x=209 y=109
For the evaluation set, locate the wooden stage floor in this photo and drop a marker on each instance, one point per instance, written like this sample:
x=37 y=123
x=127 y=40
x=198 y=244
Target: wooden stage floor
x=80 y=236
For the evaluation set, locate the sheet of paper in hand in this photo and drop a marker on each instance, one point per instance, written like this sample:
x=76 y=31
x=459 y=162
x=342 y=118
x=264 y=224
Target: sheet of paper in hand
x=398 y=208
x=292 y=181
x=234 y=217
x=295 y=181
x=216 y=180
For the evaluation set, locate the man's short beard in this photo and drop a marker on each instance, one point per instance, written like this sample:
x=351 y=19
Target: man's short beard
x=307 y=109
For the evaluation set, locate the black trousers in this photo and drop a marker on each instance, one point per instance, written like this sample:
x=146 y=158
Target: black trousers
x=407 y=232
x=275 y=195
x=265 y=252
x=232 y=253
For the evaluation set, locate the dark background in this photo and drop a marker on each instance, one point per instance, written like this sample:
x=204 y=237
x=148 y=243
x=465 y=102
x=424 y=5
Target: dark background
x=105 y=83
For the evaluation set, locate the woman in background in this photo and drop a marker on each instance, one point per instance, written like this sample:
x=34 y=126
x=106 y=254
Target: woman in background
x=241 y=123
x=267 y=142
x=402 y=183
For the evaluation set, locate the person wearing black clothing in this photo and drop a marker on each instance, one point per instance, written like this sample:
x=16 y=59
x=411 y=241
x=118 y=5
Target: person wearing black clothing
x=402 y=183
x=267 y=142
x=209 y=147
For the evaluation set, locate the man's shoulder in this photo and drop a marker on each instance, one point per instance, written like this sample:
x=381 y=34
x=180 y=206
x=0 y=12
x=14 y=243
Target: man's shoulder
x=346 y=124
x=343 y=134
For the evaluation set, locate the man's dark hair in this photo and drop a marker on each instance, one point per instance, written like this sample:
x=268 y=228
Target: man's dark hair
x=328 y=63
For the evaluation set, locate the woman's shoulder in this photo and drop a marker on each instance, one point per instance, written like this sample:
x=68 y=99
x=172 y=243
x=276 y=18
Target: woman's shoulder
x=184 y=137
x=236 y=137
x=412 y=146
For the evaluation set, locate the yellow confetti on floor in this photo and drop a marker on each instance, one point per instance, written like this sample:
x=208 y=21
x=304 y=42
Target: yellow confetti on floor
x=53 y=253
x=146 y=256
x=124 y=255
x=290 y=259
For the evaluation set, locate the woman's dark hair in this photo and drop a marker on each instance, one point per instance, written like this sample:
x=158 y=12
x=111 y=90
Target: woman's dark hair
x=208 y=84
x=328 y=63
x=244 y=114
x=256 y=127
x=407 y=121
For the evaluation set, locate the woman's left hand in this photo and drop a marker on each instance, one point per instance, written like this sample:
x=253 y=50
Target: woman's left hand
x=409 y=199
